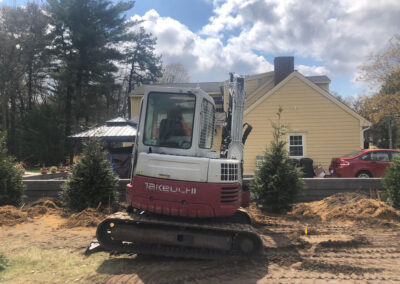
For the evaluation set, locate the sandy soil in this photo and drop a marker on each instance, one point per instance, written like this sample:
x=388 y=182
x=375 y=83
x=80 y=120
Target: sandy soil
x=330 y=252
x=348 y=251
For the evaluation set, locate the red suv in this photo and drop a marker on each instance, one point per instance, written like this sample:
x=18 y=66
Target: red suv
x=364 y=163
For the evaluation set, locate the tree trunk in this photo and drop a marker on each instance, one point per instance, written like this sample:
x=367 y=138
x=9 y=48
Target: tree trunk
x=130 y=88
x=78 y=93
x=4 y=106
x=12 y=146
x=68 y=118
x=29 y=85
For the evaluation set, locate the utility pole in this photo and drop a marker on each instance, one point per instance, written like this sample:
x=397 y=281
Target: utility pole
x=390 y=134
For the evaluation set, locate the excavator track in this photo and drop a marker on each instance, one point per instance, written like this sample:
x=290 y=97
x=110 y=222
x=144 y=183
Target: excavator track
x=167 y=236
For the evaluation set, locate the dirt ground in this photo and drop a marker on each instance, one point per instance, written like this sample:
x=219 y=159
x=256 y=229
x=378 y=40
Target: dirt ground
x=340 y=246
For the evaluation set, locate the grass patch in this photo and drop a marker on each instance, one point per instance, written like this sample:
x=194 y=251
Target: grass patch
x=36 y=265
x=33 y=171
x=3 y=262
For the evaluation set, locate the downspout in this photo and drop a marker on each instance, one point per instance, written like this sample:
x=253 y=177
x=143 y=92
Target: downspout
x=363 y=132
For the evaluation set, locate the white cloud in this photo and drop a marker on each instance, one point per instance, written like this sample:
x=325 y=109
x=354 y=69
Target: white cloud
x=312 y=70
x=339 y=33
x=205 y=58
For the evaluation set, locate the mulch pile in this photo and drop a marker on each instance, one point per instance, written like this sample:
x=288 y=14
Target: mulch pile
x=89 y=217
x=42 y=207
x=10 y=215
x=257 y=216
x=347 y=207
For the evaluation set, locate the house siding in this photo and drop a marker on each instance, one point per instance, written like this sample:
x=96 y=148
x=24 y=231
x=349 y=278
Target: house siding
x=135 y=105
x=252 y=84
x=251 y=99
x=217 y=138
x=329 y=130
x=324 y=86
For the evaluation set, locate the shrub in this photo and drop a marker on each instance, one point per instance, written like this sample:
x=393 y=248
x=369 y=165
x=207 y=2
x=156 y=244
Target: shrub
x=11 y=185
x=391 y=182
x=277 y=182
x=91 y=180
x=3 y=262
x=20 y=166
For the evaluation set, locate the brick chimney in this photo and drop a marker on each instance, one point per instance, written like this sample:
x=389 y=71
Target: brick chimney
x=283 y=67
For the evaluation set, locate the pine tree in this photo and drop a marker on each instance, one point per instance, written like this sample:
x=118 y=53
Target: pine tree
x=87 y=38
x=144 y=66
x=92 y=180
x=277 y=182
x=11 y=186
x=391 y=182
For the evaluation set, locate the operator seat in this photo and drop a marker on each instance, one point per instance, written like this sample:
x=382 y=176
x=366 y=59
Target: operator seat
x=170 y=128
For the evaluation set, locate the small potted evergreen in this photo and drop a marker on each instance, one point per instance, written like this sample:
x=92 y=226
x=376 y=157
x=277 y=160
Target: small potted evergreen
x=53 y=169
x=43 y=170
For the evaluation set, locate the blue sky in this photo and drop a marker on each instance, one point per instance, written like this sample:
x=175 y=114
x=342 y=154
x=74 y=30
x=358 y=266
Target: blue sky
x=213 y=37
x=178 y=9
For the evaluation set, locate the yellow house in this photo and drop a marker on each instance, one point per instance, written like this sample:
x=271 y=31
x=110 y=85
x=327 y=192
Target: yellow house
x=320 y=126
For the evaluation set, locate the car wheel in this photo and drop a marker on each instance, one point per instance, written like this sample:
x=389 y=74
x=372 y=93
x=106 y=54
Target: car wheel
x=364 y=174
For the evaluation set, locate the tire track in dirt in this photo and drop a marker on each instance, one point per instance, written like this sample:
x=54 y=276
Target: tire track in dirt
x=287 y=259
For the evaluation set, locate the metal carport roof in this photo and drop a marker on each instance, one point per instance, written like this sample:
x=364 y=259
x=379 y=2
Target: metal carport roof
x=115 y=130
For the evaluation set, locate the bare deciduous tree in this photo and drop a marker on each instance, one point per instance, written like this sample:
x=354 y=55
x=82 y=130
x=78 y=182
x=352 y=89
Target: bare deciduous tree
x=175 y=73
x=381 y=66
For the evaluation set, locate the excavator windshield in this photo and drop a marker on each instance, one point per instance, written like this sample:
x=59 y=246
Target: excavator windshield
x=169 y=120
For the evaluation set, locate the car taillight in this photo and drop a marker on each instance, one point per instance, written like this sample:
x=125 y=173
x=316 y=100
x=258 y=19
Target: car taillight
x=344 y=163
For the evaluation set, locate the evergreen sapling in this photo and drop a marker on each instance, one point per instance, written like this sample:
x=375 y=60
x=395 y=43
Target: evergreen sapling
x=391 y=182
x=92 y=180
x=277 y=182
x=11 y=185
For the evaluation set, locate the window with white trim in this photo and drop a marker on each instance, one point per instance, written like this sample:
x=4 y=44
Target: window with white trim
x=296 y=145
x=207 y=124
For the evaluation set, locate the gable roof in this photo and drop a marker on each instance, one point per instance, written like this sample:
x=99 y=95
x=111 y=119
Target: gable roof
x=268 y=79
x=208 y=87
x=216 y=87
x=363 y=121
x=319 y=79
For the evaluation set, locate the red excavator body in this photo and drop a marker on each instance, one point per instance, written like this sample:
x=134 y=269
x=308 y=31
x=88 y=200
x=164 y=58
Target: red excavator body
x=184 y=199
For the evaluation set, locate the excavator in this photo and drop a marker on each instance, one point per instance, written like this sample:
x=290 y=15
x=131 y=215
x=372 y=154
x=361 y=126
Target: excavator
x=184 y=198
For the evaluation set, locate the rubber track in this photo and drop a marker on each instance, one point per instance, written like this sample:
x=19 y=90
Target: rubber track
x=175 y=251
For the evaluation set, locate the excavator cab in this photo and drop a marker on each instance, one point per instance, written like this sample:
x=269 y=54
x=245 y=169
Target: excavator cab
x=176 y=121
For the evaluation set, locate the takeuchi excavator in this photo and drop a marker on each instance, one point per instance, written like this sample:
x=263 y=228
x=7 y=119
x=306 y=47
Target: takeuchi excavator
x=184 y=198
